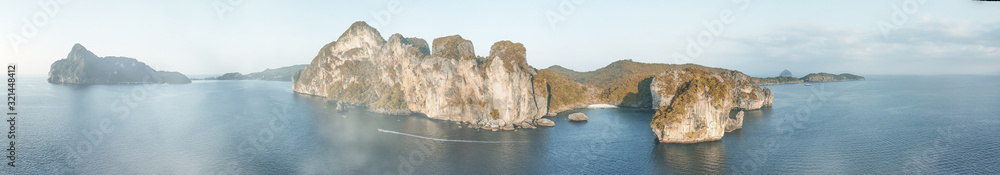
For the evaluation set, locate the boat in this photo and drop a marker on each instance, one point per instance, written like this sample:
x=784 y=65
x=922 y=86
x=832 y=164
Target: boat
x=807 y=84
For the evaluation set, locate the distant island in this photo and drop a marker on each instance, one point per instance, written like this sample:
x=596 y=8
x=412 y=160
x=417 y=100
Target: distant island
x=280 y=74
x=786 y=78
x=84 y=67
x=825 y=77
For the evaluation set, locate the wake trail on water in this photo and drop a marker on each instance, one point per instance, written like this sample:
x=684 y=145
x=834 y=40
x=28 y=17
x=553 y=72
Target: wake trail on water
x=449 y=140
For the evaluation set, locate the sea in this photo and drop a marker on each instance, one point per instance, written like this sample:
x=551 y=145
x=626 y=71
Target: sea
x=948 y=124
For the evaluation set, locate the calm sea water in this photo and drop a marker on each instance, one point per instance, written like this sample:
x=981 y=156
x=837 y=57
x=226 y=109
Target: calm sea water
x=886 y=125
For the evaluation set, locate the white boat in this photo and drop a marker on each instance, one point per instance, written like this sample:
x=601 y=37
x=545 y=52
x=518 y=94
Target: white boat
x=807 y=84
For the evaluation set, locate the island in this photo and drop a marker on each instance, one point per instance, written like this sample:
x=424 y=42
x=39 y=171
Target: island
x=786 y=78
x=280 y=74
x=84 y=67
x=500 y=91
x=827 y=77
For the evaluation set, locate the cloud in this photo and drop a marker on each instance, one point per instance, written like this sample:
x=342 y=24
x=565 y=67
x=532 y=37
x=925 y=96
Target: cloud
x=923 y=46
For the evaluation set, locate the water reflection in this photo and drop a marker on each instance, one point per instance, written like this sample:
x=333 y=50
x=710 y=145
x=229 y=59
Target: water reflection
x=696 y=158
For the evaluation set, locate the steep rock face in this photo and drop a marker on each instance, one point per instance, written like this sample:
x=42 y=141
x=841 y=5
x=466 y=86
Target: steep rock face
x=84 y=67
x=398 y=77
x=694 y=105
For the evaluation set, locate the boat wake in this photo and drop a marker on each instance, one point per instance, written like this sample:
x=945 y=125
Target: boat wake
x=449 y=140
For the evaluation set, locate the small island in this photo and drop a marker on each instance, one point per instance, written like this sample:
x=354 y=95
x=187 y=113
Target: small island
x=84 y=67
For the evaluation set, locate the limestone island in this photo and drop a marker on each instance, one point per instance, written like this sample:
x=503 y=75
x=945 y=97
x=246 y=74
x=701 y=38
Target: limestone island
x=84 y=67
x=448 y=81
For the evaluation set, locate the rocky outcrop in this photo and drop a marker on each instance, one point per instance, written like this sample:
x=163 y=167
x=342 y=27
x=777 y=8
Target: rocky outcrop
x=735 y=123
x=695 y=104
x=544 y=122
x=578 y=117
x=397 y=76
x=84 y=67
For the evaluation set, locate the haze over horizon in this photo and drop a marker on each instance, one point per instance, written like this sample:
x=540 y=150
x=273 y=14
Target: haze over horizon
x=759 y=38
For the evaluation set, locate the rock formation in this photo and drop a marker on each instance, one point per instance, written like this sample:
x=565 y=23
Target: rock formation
x=84 y=67
x=695 y=104
x=397 y=76
x=544 y=122
x=578 y=117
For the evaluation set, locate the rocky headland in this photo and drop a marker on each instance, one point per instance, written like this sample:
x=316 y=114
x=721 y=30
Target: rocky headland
x=84 y=67
x=692 y=102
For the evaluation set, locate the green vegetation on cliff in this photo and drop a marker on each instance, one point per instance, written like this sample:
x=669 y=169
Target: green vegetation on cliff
x=624 y=83
x=561 y=91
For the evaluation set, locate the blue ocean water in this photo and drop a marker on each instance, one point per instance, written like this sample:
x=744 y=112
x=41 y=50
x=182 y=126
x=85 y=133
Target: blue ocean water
x=885 y=125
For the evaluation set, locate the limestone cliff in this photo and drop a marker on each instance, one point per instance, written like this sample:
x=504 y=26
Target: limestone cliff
x=397 y=76
x=695 y=105
x=84 y=67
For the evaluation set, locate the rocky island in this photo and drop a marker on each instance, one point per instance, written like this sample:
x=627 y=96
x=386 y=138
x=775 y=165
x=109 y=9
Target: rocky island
x=84 y=67
x=826 y=77
x=501 y=91
x=402 y=76
x=280 y=74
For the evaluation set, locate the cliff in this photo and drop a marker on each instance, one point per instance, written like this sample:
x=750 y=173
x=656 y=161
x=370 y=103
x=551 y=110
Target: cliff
x=84 y=67
x=397 y=76
x=695 y=105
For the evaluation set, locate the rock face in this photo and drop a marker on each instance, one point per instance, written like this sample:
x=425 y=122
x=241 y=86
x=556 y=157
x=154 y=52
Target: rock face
x=397 y=76
x=578 y=117
x=735 y=123
x=694 y=104
x=84 y=67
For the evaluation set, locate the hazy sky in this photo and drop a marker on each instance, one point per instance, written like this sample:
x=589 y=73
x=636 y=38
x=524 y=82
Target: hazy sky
x=760 y=38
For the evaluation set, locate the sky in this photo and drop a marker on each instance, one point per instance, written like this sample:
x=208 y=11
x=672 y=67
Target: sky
x=760 y=38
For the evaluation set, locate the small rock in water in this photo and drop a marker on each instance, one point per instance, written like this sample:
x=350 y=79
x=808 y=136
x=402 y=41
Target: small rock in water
x=578 y=117
x=545 y=122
